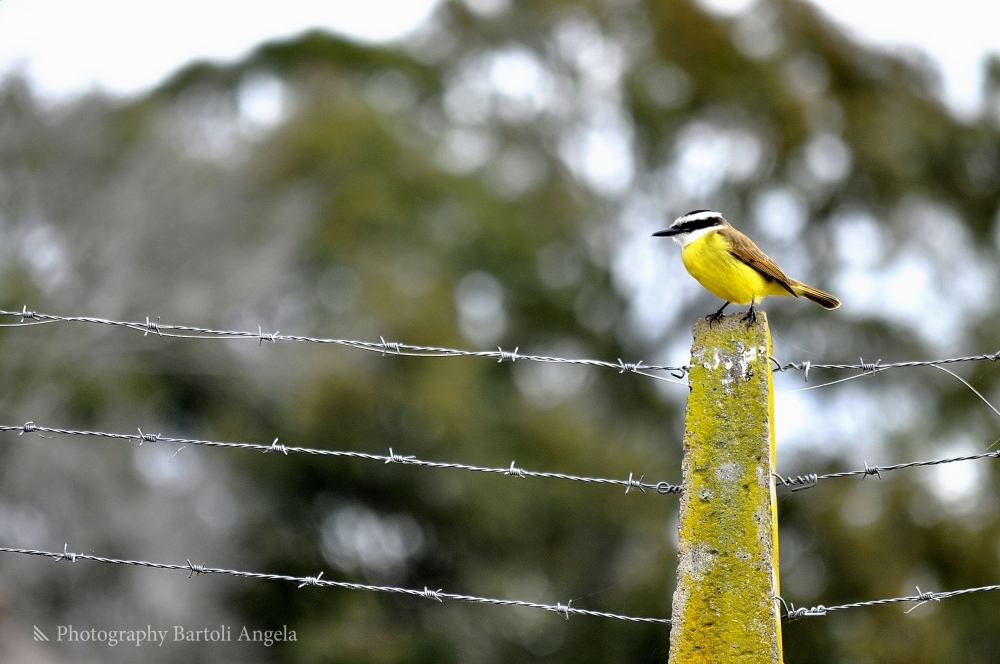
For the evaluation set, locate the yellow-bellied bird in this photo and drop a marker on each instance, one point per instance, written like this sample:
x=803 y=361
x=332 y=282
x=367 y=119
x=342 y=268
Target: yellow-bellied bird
x=730 y=265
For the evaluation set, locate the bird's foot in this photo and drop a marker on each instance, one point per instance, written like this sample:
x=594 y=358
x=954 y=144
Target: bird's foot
x=750 y=317
x=716 y=317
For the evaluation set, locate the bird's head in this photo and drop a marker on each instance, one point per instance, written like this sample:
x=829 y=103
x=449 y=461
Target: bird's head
x=693 y=225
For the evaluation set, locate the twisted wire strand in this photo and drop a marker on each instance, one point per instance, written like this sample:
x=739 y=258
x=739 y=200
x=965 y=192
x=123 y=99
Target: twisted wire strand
x=382 y=346
x=630 y=483
x=802 y=482
x=877 y=366
x=565 y=610
x=921 y=597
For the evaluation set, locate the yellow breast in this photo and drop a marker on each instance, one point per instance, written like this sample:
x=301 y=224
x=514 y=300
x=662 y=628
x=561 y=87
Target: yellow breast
x=708 y=260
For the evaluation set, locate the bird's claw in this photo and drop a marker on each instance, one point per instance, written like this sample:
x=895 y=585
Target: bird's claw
x=750 y=317
x=714 y=318
x=717 y=316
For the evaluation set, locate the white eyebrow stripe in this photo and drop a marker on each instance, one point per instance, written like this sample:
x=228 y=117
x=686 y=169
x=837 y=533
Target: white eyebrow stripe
x=698 y=216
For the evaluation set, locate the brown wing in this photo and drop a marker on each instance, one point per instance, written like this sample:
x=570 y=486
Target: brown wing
x=743 y=248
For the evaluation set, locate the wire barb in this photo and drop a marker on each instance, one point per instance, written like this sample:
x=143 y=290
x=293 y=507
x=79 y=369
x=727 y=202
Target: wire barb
x=871 y=470
x=311 y=580
x=272 y=337
x=398 y=458
x=869 y=367
x=147 y=437
x=277 y=447
x=507 y=355
x=65 y=555
x=152 y=327
x=924 y=598
x=628 y=366
x=635 y=484
x=389 y=346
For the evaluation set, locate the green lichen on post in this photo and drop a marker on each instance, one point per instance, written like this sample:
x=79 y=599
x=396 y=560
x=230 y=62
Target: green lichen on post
x=724 y=606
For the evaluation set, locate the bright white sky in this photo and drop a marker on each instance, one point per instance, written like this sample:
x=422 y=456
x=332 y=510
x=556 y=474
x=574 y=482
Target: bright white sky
x=127 y=45
x=124 y=46
x=958 y=34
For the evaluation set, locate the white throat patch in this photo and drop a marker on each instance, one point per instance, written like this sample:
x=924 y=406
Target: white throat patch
x=684 y=239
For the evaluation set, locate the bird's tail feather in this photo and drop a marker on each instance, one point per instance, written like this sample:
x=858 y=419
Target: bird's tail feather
x=824 y=300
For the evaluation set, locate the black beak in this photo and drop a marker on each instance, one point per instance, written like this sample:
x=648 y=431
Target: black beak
x=668 y=232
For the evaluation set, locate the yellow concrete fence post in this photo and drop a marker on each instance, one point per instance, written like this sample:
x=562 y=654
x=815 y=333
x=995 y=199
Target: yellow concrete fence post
x=725 y=607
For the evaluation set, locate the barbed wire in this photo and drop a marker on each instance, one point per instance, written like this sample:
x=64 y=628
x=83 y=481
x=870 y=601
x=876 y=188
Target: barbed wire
x=791 y=613
x=382 y=346
x=875 y=367
x=630 y=483
x=802 y=482
x=565 y=610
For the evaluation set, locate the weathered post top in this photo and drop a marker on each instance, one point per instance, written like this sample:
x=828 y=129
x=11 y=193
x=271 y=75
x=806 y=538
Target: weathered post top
x=724 y=607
